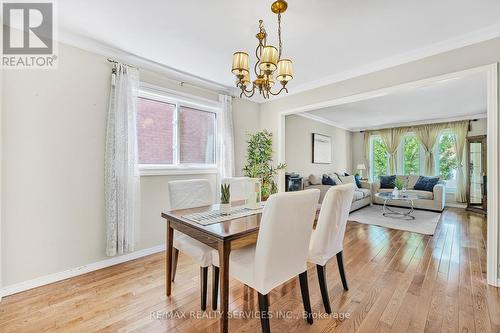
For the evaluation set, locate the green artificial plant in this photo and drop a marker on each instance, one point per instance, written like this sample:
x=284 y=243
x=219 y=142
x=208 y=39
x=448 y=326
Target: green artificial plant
x=225 y=194
x=260 y=162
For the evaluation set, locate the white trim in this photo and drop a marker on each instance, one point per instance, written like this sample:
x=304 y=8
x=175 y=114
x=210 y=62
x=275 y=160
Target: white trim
x=166 y=171
x=455 y=205
x=94 y=46
x=493 y=143
x=323 y=120
x=55 y=277
x=493 y=177
x=98 y=47
x=415 y=55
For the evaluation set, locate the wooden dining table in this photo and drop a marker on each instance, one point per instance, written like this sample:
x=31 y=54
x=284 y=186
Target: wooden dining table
x=222 y=236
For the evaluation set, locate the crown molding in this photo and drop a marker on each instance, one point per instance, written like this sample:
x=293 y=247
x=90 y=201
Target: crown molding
x=324 y=121
x=95 y=46
x=468 y=39
x=98 y=47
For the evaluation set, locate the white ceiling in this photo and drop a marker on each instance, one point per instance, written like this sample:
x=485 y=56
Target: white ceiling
x=456 y=98
x=327 y=39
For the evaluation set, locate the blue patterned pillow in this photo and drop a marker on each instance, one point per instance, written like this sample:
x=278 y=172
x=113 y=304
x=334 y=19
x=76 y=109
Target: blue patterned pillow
x=387 y=181
x=327 y=180
x=426 y=183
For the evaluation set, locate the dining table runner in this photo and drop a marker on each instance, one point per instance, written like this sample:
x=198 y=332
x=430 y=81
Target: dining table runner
x=216 y=216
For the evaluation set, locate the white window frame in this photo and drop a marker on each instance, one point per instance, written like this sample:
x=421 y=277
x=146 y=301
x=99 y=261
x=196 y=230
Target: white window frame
x=449 y=189
x=401 y=164
x=180 y=100
x=372 y=166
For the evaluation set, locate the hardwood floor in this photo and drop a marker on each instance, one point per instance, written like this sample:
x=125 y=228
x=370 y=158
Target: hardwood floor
x=398 y=282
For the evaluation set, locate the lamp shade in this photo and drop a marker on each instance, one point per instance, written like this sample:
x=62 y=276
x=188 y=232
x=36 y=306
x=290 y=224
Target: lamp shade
x=269 y=59
x=361 y=166
x=285 y=70
x=240 y=64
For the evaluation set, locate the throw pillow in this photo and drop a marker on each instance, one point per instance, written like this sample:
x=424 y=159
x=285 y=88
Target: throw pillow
x=412 y=180
x=348 y=180
x=426 y=183
x=387 y=181
x=327 y=180
x=358 y=181
x=315 y=180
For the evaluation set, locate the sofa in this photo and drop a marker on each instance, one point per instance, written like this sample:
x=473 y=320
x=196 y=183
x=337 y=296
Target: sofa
x=434 y=200
x=362 y=196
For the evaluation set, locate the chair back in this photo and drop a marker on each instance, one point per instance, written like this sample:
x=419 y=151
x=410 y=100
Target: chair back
x=284 y=235
x=239 y=187
x=327 y=239
x=189 y=193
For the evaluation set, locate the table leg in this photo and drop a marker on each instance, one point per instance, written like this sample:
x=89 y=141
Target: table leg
x=168 y=262
x=224 y=250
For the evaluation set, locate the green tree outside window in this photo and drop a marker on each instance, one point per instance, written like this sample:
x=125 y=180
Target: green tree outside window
x=411 y=155
x=447 y=157
x=380 y=160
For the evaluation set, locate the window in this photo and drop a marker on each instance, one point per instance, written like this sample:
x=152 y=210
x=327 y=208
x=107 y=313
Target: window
x=411 y=155
x=155 y=139
x=446 y=157
x=174 y=134
x=197 y=136
x=378 y=158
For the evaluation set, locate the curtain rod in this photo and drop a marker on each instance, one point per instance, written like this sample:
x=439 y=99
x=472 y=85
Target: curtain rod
x=444 y=122
x=181 y=83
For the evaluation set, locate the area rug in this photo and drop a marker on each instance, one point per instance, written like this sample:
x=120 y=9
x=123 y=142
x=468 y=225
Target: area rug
x=425 y=222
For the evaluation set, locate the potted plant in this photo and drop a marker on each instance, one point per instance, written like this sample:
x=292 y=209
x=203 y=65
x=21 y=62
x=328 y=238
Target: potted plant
x=225 y=199
x=260 y=162
x=398 y=186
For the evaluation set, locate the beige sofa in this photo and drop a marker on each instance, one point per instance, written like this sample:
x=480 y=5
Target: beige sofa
x=434 y=200
x=362 y=196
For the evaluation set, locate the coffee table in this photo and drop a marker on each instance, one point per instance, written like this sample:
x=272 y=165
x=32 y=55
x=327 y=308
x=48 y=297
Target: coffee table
x=406 y=197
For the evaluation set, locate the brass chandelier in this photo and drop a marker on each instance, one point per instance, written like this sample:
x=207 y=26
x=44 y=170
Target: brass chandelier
x=269 y=62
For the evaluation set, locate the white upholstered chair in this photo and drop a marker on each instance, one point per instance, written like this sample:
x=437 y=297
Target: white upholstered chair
x=189 y=194
x=327 y=239
x=240 y=187
x=281 y=250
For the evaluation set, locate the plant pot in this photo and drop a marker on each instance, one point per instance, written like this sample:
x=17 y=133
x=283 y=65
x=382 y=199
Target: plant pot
x=395 y=192
x=225 y=208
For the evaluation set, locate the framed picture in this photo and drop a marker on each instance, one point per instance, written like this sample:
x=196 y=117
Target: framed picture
x=321 y=149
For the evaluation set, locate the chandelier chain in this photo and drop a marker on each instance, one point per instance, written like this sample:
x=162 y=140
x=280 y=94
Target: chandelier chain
x=279 y=35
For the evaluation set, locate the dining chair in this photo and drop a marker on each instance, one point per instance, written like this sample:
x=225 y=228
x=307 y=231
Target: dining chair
x=239 y=187
x=190 y=194
x=327 y=239
x=281 y=249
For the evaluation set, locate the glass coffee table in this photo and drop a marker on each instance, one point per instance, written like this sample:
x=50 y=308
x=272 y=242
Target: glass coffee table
x=406 y=197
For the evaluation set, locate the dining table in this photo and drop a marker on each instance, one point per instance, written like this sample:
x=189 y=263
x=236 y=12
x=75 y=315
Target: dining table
x=235 y=232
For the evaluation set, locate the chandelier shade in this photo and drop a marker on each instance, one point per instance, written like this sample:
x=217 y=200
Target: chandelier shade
x=269 y=59
x=285 y=70
x=240 y=64
x=269 y=67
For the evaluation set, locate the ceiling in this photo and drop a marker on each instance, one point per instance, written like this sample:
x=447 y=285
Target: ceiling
x=455 y=98
x=327 y=39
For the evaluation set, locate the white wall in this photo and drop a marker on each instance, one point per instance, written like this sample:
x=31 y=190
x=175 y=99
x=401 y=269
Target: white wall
x=298 y=156
x=53 y=130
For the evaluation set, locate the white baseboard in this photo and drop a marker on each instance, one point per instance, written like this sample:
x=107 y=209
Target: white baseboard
x=51 y=278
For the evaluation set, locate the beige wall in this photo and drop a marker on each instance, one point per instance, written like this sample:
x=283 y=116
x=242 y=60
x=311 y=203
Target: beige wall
x=246 y=121
x=480 y=54
x=53 y=140
x=298 y=132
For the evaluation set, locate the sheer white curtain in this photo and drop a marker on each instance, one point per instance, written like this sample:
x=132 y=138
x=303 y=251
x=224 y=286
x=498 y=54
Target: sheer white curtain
x=226 y=138
x=121 y=184
x=460 y=129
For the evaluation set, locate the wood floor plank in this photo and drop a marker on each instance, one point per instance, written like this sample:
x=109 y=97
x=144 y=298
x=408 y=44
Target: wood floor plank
x=399 y=282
